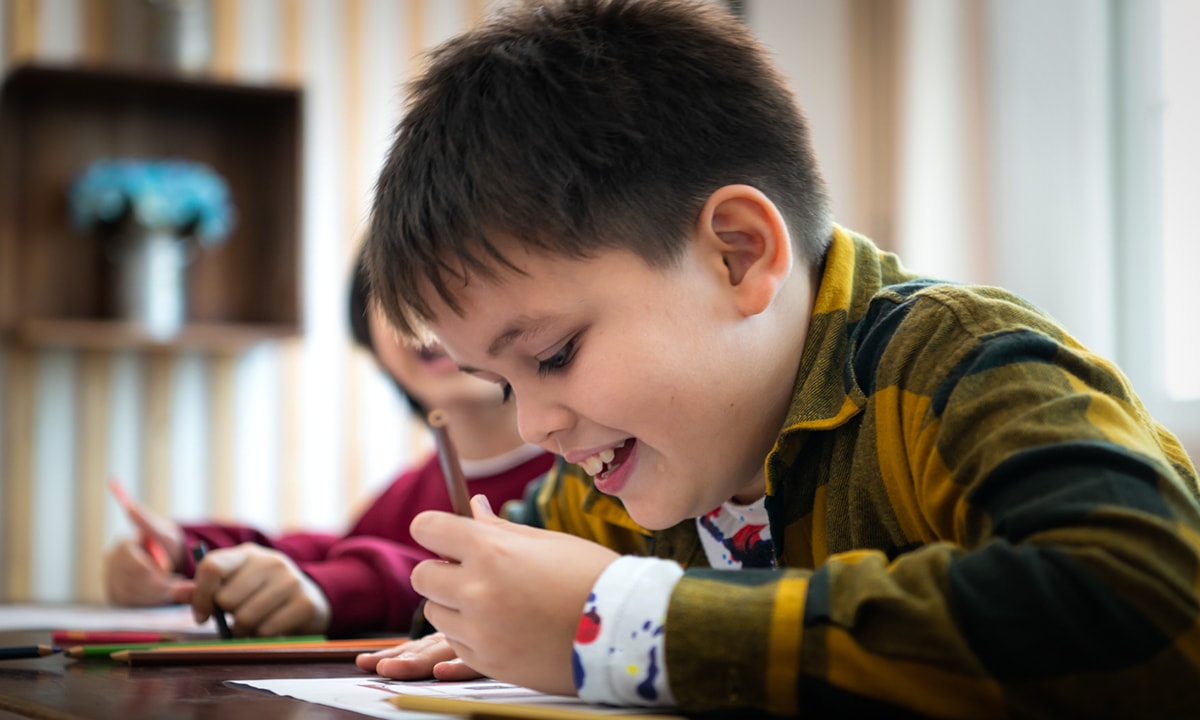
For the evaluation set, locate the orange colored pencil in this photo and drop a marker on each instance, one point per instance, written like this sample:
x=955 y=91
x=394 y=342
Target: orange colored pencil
x=363 y=644
x=260 y=654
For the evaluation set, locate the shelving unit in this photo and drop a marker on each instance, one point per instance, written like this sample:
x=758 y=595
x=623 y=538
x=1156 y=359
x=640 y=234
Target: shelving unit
x=56 y=283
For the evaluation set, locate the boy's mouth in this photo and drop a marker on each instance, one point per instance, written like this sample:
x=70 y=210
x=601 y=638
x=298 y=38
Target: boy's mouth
x=603 y=463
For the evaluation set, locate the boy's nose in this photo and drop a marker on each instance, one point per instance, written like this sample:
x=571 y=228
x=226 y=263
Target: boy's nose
x=541 y=420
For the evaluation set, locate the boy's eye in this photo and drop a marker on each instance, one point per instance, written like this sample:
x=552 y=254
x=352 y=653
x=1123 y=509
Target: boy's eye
x=506 y=388
x=558 y=360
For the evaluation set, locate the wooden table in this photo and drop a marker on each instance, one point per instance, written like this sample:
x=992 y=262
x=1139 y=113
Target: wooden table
x=60 y=688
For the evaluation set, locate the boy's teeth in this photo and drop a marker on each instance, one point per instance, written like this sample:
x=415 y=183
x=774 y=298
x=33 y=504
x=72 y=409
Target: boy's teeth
x=594 y=464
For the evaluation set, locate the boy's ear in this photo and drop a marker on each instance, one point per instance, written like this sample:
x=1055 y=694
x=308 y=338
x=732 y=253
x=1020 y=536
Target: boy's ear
x=747 y=234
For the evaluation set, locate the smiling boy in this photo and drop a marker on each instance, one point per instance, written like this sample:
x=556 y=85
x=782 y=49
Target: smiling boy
x=867 y=492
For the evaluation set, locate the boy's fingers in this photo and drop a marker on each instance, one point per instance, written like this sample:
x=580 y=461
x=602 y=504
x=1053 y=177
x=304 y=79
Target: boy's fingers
x=443 y=533
x=210 y=574
x=481 y=507
x=181 y=591
x=455 y=670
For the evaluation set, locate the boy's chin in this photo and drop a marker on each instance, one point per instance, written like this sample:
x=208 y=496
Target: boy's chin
x=653 y=518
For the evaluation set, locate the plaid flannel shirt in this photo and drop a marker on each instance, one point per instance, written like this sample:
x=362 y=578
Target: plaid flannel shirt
x=974 y=517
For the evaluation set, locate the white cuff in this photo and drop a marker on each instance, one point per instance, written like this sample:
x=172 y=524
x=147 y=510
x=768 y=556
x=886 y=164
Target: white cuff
x=620 y=656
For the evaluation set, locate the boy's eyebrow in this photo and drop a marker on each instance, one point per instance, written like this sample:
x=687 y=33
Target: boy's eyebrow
x=519 y=328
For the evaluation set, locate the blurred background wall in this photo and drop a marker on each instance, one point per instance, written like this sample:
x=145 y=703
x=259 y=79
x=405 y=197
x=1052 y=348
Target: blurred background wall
x=1008 y=142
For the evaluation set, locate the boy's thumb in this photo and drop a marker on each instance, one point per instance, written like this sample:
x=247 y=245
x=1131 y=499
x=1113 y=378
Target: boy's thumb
x=481 y=508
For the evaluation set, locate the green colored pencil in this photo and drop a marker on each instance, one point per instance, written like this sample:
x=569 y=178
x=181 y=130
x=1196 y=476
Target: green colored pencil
x=104 y=651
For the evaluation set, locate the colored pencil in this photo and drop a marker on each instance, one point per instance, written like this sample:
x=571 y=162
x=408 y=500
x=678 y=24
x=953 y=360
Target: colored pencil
x=198 y=551
x=104 y=651
x=234 y=646
x=90 y=637
x=456 y=483
x=467 y=708
x=24 y=652
x=152 y=545
x=264 y=654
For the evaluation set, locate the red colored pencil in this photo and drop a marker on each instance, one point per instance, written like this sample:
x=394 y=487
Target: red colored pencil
x=152 y=545
x=108 y=637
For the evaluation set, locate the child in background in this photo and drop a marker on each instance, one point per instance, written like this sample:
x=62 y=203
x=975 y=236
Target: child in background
x=313 y=583
x=870 y=493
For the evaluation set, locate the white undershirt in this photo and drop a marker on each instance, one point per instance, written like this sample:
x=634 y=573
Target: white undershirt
x=620 y=645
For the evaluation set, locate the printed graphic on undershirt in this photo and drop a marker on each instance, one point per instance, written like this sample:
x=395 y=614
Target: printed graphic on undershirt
x=737 y=536
x=634 y=652
x=585 y=635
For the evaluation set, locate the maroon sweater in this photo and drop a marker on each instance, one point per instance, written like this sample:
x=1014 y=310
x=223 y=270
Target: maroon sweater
x=364 y=573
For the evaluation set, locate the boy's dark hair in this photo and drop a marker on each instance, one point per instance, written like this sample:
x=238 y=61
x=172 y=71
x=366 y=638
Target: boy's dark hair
x=360 y=325
x=575 y=126
x=360 y=304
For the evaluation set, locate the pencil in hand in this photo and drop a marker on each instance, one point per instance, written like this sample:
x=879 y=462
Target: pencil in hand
x=149 y=541
x=198 y=551
x=456 y=483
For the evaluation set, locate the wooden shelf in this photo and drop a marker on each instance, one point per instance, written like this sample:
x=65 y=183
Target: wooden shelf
x=116 y=335
x=56 y=283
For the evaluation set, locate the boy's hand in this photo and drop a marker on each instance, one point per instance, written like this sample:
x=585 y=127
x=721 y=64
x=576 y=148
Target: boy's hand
x=507 y=591
x=262 y=588
x=134 y=579
x=430 y=656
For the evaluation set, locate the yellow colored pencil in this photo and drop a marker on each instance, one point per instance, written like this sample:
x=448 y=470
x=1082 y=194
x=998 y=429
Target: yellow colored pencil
x=521 y=711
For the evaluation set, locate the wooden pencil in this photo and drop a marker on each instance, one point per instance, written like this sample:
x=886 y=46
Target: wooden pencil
x=149 y=542
x=251 y=646
x=264 y=654
x=105 y=650
x=24 y=652
x=456 y=482
x=110 y=637
x=480 y=709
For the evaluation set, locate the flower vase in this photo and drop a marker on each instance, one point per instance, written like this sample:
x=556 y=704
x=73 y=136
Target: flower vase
x=151 y=287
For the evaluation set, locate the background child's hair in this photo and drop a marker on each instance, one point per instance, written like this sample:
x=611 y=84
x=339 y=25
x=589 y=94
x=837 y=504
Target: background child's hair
x=360 y=325
x=574 y=126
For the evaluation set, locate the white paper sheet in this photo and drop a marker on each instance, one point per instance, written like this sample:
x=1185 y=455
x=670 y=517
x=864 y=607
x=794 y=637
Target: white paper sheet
x=172 y=618
x=368 y=694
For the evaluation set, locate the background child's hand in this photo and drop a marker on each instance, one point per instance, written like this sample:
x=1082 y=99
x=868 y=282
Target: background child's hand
x=262 y=588
x=133 y=578
x=430 y=656
x=507 y=591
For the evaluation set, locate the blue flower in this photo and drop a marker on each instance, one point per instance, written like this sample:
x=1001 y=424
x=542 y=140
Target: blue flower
x=183 y=198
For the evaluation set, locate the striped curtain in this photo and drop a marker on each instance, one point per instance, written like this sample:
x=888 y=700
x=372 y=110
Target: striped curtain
x=302 y=433
x=284 y=435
